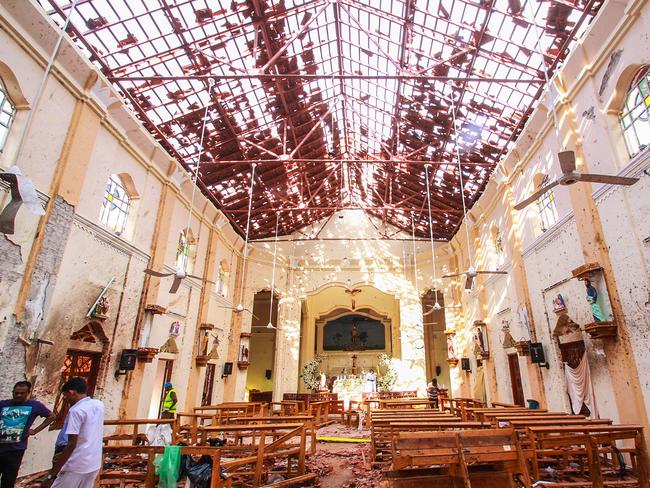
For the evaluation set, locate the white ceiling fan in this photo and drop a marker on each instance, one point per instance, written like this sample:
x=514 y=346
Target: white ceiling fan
x=180 y=274
x=471 y=272
x=570 y=176
x=22 y=193
x=436 y=306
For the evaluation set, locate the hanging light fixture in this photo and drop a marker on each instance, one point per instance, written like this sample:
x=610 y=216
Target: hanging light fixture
x=275 y=253
x=471 y=272
x=436 y=305
x=240 y=306
x=180 y=274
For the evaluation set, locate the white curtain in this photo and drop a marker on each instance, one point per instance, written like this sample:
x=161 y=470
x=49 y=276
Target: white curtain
x=579 y=385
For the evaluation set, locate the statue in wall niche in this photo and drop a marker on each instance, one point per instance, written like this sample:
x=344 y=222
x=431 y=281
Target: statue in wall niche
x=101 y=309
x=451 y=351
x=479 y=344
x=558 y=304
x=508 y=341
x=592 y=299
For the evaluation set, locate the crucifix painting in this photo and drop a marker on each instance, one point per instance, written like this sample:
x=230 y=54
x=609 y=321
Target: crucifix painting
x=354 y=333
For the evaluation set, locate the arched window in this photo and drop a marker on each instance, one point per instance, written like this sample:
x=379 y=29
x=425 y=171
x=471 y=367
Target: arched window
x=115 y=205
x=7 y=114
x=545 y=204
x=635 y=114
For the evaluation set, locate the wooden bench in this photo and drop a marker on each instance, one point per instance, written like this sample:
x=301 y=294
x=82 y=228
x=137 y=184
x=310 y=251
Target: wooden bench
x=245 y=461
x=381 y=433
x=129 y=465
x=592 y=452
x=489 y=458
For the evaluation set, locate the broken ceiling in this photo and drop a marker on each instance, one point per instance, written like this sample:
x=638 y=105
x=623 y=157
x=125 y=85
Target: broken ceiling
x=340 y=103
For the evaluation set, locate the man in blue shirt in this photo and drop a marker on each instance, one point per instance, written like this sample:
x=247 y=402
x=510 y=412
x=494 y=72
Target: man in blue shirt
x=16 y=418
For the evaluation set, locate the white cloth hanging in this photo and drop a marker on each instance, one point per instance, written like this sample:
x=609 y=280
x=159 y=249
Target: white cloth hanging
x=579 y=386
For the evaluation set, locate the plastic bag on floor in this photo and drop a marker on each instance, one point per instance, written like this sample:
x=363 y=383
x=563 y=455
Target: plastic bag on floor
x=159 y=435
x=199 y=472
x=168 y=466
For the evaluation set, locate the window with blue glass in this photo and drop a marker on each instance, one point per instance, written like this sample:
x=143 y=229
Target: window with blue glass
x=115 y=205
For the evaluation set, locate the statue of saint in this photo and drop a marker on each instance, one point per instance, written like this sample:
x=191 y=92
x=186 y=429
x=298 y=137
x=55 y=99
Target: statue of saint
x=451 y=353
x=558 y=304
x=354 y=333
x=592 y=299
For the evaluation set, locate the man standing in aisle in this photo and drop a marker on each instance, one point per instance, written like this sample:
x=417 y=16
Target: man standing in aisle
x=170 y=401
x=79 y=462
x=16 y=418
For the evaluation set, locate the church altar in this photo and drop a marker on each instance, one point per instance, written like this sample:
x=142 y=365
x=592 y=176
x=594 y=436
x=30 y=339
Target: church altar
x=352 y=387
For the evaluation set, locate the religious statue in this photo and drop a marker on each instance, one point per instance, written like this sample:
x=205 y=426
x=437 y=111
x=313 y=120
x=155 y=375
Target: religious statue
x=592 y=299
x=479 y=344
x=323 y=381
x=244 y=353
x=352 y=293
x=558 y=304
x=508 y=341
x=101 y=309
x=371 y=381
x=451 y=353
x=354 y=334
x=175 y=329
x=204 y=345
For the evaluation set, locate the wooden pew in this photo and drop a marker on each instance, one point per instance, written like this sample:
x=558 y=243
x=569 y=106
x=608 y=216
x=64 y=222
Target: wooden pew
x=405 y=403
x=594 y=449
x=489 y=458
x=127 y=431
x=247 y=459
x=381 y=432
x=477 y=413
x=128 y=465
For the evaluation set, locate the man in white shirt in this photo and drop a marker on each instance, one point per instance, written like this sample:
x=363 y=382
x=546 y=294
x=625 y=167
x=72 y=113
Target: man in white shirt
x=78 y=464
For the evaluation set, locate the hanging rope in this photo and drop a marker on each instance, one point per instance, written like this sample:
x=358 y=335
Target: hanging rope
x=460 y=175
x=433 y=252
x=248 y=226
x=275 y=253
x=415 y=257
x=195 y=178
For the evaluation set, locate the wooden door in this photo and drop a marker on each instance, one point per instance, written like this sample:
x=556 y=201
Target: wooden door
x=77 y=364
x=208 y=383
x=515 y=380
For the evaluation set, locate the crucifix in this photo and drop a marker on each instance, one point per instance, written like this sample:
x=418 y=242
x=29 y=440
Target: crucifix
x=352 y=293
x=354 y=364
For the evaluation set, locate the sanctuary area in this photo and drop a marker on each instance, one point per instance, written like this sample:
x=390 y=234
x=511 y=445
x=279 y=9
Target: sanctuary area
x=336 y=243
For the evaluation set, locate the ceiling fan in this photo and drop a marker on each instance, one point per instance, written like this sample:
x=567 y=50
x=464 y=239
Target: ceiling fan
x=179 y=275
x=22 y=193
x=570 y=176
x=436 y=306
x=239 y=309
x=471 y=272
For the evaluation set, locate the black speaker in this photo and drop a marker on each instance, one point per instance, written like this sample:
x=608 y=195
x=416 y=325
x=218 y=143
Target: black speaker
x=537 y=353
x=267 y=374
x=128 y=359
x=464 y=364
x=438 y=370
x=227 y=369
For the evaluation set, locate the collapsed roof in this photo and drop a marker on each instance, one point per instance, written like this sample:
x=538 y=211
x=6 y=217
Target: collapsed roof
x=339 y=103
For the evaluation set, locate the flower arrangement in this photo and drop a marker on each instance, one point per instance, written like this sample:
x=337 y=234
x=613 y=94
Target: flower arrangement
x=386 y=381
x=310 y=373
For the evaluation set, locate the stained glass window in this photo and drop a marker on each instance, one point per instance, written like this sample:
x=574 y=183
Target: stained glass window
x=115 y=206
x=546 y=207
x=635 y=114
x=7 y=113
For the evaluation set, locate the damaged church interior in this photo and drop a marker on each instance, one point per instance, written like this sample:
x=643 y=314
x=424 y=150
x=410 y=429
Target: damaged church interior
x=329 y=243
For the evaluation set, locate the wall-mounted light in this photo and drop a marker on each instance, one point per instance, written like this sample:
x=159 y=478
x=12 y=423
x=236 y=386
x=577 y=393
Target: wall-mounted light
x=537 y=355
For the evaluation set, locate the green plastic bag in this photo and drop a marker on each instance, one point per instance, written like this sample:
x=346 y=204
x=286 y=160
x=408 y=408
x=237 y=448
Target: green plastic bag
x=168 y=466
